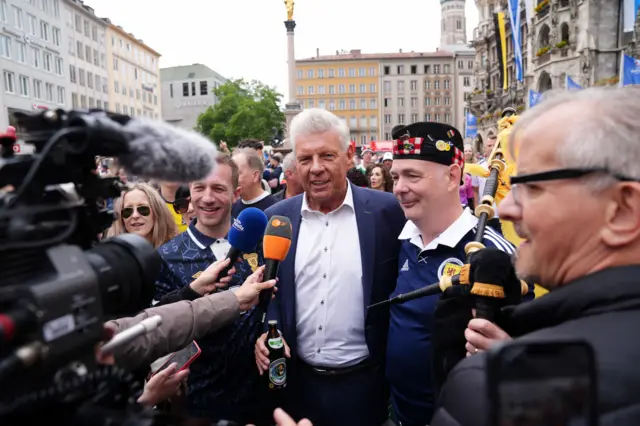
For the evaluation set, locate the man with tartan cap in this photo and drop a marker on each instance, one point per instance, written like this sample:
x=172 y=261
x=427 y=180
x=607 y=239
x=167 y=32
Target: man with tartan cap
x=428 y=163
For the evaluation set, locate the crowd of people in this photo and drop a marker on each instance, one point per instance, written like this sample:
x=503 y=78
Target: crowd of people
x=369 y=227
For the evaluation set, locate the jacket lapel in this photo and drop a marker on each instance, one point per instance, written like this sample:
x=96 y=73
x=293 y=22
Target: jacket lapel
x=366 y=234
x=288 y=266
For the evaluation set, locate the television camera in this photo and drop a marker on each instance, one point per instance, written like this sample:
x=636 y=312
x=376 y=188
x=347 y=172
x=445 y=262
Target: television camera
x=58 y=283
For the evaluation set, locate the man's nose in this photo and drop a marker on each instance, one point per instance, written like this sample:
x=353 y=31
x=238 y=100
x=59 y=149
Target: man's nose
x=317 y=166
x=509 y=209
x=399 y=186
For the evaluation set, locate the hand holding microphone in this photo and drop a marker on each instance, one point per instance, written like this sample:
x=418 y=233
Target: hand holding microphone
x=215 y=277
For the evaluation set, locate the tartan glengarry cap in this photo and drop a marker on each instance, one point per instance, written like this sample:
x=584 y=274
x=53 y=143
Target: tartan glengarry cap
x=436 y=142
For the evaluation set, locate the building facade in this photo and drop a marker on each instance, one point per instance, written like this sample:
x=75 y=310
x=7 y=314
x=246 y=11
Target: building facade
x=580 y=39
x=134 y=74
x=187 y=91
x=453 y=26
x=32 y=58
x=85 y=42
x=346 y=84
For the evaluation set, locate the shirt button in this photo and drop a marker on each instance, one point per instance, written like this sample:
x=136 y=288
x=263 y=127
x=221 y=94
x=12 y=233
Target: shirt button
x=324 y=276
x=325 y=249
x=322 y=302
x=319 y=350
x=320 y=328
x=326 y=223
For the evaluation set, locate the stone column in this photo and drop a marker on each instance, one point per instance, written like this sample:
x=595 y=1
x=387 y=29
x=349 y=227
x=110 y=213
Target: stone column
x=292 y=108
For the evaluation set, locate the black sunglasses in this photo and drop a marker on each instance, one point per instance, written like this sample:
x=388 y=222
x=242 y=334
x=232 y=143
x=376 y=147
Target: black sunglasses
x=127 y=212
x=562 y=174
x=181 y=205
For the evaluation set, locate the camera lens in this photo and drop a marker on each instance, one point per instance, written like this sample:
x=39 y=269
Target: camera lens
x=127 y=267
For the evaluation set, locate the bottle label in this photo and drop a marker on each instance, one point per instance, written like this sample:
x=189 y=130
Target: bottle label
x=278 y=372
x=275 y=343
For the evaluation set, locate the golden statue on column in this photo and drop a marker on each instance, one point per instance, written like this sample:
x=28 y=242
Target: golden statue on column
x=289 y=4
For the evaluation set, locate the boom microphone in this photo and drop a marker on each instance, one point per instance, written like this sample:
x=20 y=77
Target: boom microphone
x=276 y=244
x=244 y=235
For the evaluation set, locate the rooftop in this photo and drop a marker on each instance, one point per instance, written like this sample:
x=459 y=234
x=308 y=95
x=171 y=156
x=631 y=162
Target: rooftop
x=189 y=72
x=357 y=54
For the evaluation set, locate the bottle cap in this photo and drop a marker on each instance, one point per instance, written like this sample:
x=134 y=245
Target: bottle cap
x=273 y=322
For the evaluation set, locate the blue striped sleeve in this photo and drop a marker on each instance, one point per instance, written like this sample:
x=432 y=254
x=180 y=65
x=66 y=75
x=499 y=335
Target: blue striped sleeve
x=494 y=239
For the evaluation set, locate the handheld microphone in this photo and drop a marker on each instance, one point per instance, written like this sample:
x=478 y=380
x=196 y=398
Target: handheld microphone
x=276 y=244
x=244 y=235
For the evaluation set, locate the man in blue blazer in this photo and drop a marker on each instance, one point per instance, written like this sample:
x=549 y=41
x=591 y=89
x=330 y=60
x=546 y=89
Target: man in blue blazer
x=343 y=257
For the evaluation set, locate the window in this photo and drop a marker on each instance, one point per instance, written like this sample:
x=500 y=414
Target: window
x=414 y=85
x=363 y=139
x=92 y=102
x=342 y=104
x=401 y=86
x=320 y=73
x=23 y=85
x=96 y=58
x=35 y=56
x=400 y=69
x=300 y=74
x=363 y=104
x=99 y=104
x=3 y=10
x=387 y=86
x=185 y=89
x=436 y=69
x=341 y=89
x=87 y=31
x=332 y=90
x=81 y=77
x=458 y=25
x=352 y=88
x=321 y=90
x=9 y=82
x=387 y=70
x=310 y=90
x=372 y=88
x=427 y=117
x=17 y=16
x=446 y=69
x=352 y=72
x=400 y=118
x=105 y=86
x=372 y=104
x=427 y=101
x=116 y=87
x=87 y=56
x=58 y=65
x=447 y=118
x=414 y=118
x=300 y=90
x=72 y=73
x=321 y=104
x=94 y=33
x=118 y=107
x=427 y=69
x=74 y=100
x=44 y=31
x=330 y=72
x=44 y=5
x=97 y=86
x=414 y=69
x=33 y=24
x=332 y=105
x=372 y=72
x=470 y=65
x=55 y=32
x=138 y=94
x=387 y=119
x=47 y=60
x=352 y=104
x=466 y=82
x=78 y=23
x=193 y=88
x=436 y=85
x=427 y=85
x=414 y=103
x=80 y=50
x=48 y=90
x=460 y=64
x=447 y=84
x=90 y=80
x=5 y=46
x=22 y=52
x=437 y=101
x=400 y=102
x=362 y=72
x=437 y=118
x=37 y=89
x=309 y=73
x=341 y=72
x=447 y=100
x=56 y=8
x=115 y=63
x=83 y=101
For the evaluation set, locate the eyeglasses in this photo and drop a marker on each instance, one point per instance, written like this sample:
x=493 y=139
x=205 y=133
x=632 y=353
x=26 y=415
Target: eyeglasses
x=559 y=174
x=181 y=205
x=127 y=212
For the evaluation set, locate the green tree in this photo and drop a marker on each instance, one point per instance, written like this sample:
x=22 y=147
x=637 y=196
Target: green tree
x=245 y=110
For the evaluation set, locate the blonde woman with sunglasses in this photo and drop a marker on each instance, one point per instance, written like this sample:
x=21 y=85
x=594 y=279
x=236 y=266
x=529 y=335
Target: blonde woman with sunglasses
x=142 y=211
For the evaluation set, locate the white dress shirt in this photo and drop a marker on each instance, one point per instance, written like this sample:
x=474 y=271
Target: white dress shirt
x=329 y=295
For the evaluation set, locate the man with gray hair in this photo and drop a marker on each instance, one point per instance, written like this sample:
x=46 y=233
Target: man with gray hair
x=252 y=194
x=343 y=257
x=576 y=203
x=291 y=181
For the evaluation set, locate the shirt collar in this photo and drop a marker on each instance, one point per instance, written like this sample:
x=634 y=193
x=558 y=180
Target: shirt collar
x=260 y=197
x=450 y=237
x=348 y=201
x=201 y=240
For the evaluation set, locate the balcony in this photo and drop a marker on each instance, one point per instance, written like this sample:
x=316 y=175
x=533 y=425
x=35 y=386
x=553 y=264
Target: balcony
x=542 y=9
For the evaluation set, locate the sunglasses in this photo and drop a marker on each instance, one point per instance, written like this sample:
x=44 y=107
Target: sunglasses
x=127 y=212
x=181 y=205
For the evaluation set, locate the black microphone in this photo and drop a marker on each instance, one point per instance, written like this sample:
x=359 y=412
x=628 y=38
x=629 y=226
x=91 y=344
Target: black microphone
x=430 y=290
x=275 y=245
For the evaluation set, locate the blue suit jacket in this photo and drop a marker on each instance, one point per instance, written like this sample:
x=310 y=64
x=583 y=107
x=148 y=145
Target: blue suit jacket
x=380 y=220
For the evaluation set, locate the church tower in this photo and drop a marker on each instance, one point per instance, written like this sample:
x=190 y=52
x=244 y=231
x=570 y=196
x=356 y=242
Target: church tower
x=453 y=31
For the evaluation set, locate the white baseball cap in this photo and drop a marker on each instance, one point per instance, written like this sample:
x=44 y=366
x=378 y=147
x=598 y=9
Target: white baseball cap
x=387 y=156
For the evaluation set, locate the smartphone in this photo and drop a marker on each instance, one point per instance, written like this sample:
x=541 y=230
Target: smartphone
x=543 y=383
x=184 y=357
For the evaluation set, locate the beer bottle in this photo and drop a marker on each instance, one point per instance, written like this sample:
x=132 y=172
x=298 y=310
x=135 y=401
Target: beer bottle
x=277 y=361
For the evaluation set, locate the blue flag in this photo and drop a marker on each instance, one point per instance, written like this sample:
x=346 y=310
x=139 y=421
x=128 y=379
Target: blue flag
x=572 y=85
x=534 y=98
x=514 y=15
x=471 y=126
x=630 y=71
